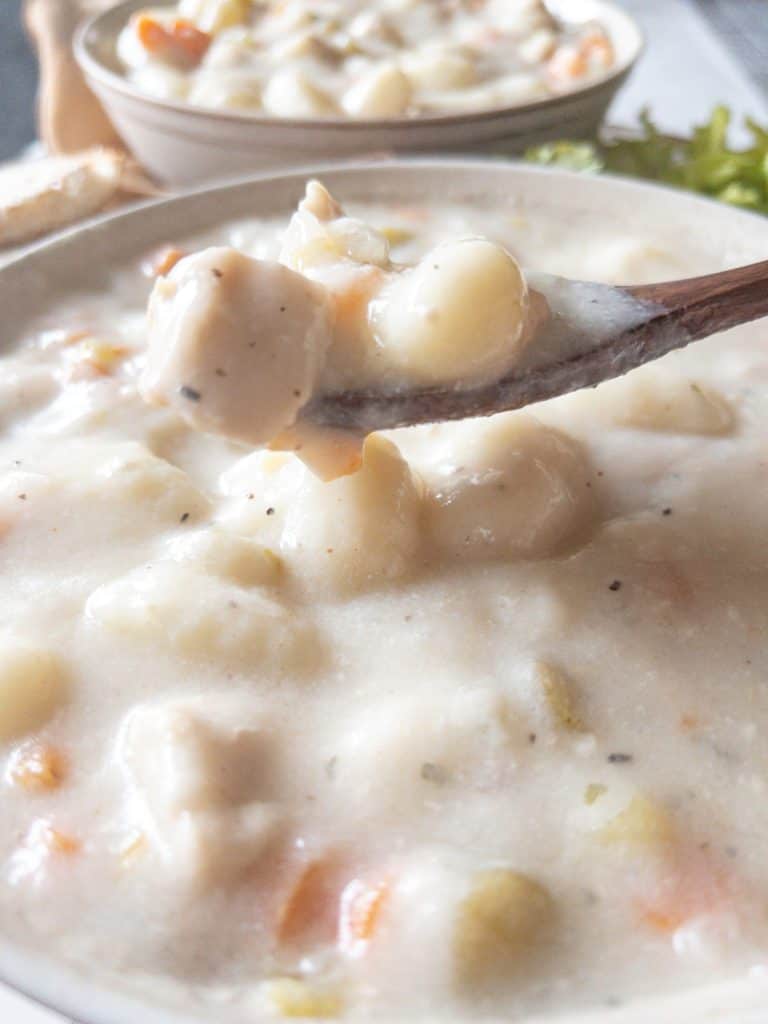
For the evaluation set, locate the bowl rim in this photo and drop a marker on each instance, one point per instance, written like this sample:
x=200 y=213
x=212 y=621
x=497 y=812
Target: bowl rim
x=93 y=28
x=64 y=988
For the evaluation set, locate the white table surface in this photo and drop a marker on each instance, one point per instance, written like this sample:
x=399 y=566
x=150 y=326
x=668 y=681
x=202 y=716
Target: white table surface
x=684 y=73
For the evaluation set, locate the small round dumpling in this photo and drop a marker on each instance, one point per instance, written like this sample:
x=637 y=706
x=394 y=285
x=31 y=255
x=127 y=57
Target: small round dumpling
x=515 y=488
x=235 y=344
x=176 y=607
x=32 y=686
x=458 y=316
x=289 y=93
x=215 y=15
x=439 y=68
x=383 y=92
x=360 y=528
x=226 y=88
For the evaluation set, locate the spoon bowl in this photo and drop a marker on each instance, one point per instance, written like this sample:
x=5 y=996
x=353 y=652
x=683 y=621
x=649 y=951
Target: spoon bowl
x=584 y=333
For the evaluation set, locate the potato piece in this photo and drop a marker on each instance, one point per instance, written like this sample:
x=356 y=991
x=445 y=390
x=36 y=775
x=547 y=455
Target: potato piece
x=32 y=687
x=293 y=997
x=201 y=777
x=221 y=88
x=289 y=93
x=177 y=607
x=457 y=316
x=358 y=530
x=676 y=406
x=440 y=69
x=406 y=751
x=383 y=92
x=519 y=489
x=228 y=556
x=642 y=823
x=499 y=924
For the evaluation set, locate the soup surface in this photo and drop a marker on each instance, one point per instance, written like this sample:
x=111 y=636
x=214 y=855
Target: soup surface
x=475 y=730
x=345 y=58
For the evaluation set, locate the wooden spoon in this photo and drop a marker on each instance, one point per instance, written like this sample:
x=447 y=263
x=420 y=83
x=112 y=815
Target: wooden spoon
x=583 y=334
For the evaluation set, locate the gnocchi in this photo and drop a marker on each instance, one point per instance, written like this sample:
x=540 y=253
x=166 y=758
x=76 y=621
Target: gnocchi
x=338 y=58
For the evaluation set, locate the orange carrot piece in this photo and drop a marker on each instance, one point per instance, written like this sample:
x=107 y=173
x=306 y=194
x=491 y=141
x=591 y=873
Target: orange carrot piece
x=60 y=842
x=179 y=42
x=361 y=906
x=162 y=262
x=309 y=909
x=37 y=767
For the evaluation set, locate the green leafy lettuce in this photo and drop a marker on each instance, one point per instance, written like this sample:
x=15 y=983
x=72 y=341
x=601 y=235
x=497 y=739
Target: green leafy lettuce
x=702 y=163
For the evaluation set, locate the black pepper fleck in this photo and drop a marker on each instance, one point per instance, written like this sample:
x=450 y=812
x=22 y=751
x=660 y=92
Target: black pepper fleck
x=531 y=737
x=189 y=393
x=282 y=309
x=184 y=517
x=296 y=393
x=217 y=273
x=616 y=585
x=619 y=758
x=270 y=510
x=434 y=773
x=22 y=497
x=220 y=372
x=666 y=512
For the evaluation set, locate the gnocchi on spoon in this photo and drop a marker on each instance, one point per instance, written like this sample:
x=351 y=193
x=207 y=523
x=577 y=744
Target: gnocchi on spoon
x=333 y=341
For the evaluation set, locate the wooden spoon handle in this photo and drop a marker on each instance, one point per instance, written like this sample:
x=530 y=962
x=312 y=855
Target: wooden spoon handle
x=701 y=306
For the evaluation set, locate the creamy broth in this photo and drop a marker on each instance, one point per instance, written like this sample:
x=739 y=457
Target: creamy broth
x=474 y=730
x=344 y=58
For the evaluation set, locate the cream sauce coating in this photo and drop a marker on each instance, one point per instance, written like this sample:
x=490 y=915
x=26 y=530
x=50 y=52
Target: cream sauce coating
x=343 y=58
x=473 y=731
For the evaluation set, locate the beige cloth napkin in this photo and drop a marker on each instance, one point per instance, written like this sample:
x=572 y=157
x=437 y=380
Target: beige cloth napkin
x=86 y=168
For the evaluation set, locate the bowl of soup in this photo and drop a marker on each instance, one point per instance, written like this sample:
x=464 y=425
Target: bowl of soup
x=207 y=88
x=470 y=728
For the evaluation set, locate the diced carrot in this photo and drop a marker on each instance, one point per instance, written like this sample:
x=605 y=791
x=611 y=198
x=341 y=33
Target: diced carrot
x=178 y=42
x=690 y=888
x=37 y=767
x=162 y=262
x=72 y=337
x=308 y=912
x=360 y=911
x=566 y=64
x=598 y=49
x=60 y=842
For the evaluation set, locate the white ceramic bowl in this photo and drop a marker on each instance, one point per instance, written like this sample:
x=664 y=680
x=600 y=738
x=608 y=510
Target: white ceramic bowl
x=182 y=144
x=86 y=258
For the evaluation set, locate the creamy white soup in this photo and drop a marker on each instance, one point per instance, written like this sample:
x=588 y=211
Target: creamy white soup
x=472 y=730
x=346 y=58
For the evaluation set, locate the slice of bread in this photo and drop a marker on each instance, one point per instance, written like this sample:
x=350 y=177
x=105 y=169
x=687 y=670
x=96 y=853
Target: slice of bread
x=39 y=196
